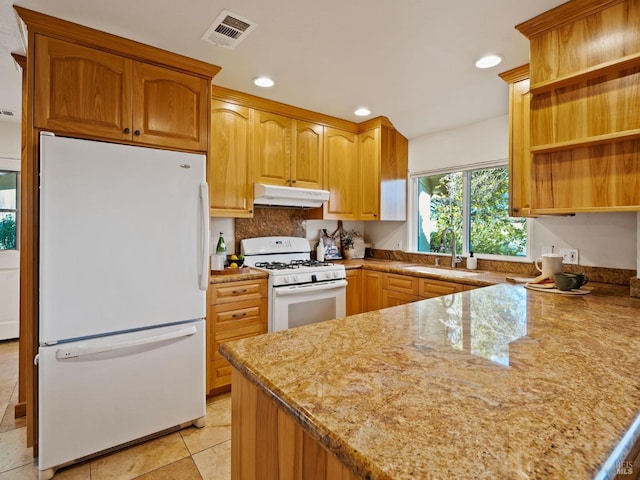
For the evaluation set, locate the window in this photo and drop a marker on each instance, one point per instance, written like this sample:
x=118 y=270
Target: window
x=8 y=210
x=475 y=205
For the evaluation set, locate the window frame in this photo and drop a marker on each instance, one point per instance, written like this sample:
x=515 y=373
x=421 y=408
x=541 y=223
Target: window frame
x=413 y=218
x=16 y=211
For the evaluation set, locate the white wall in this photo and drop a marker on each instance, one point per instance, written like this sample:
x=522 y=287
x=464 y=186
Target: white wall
x=10 y=139
x=603 y=239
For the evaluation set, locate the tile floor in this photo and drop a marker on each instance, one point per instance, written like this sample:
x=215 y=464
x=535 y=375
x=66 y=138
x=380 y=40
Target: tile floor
x=188 y=454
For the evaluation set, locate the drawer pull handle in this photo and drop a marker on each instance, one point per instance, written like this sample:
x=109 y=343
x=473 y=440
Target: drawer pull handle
x=236 y=315
x=236 y=292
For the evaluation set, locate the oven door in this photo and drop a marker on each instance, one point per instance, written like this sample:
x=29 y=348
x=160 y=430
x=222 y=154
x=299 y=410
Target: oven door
x=297 y=305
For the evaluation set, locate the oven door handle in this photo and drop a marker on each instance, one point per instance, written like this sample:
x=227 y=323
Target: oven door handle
x=309 y=287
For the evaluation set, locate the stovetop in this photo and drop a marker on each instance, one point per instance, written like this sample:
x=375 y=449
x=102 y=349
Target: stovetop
x=292 y=265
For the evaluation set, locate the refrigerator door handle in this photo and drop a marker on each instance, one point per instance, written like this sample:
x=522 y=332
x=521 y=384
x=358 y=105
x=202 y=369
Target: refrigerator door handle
x=204 y=200
x=81 y=350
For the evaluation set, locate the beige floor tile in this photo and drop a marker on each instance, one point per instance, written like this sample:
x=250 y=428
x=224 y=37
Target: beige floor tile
x=215 y=462
x=184 y=469
x=140 y=459
x=76 y=472
x=28 y=472
x=13 y=450
x=217 y=426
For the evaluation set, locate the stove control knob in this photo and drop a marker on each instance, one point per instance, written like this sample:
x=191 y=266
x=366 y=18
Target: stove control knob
x=327 y=275
x=336 y=274
x=295 y=278
x=287 y=279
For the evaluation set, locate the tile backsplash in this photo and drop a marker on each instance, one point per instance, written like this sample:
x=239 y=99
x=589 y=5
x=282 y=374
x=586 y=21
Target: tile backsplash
x=270 y=221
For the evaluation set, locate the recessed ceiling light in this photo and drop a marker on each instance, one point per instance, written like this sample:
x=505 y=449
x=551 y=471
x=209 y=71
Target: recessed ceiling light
x=264 y=82
x=488 y=61
x=362 y=112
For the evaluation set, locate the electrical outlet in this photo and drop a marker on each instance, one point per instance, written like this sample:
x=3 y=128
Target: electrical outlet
x=569 y=256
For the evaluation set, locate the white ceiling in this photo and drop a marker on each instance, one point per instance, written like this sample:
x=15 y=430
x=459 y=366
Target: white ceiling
x=409 y=60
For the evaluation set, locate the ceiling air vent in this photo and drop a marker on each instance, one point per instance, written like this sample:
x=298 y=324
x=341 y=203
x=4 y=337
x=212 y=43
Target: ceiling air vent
x=228 y=30
x=7 y=113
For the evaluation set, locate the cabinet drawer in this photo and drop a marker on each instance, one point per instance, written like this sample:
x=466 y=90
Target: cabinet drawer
x=435 y=288
x=236 y=314
x=391 y=298
x=401 y=283
x=236 y=291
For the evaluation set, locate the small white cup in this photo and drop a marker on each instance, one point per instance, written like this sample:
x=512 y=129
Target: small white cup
x=551 y=264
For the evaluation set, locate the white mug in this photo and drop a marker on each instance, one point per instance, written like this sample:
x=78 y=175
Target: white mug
x=551 y=264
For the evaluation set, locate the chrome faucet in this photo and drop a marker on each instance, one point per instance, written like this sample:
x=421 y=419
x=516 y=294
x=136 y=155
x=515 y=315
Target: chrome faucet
x=454 y=258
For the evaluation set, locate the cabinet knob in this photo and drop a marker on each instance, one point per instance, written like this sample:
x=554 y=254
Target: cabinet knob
x=293 y=181
x=137 y=132
x=127 y=130
x=515 y=210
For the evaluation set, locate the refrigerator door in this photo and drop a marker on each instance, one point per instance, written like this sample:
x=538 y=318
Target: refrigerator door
x=123 y=238
x=124 y=387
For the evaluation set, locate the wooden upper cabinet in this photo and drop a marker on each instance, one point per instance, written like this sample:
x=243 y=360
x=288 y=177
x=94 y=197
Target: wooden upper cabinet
x=272 y=152
x=86 y=91
x=230 y=183
x=169 y=108
x=307 y=155
x=585 y=113
x=369 y=174
x=82 y=90
x=341 y=174
x=519 y=141
x=288 y=152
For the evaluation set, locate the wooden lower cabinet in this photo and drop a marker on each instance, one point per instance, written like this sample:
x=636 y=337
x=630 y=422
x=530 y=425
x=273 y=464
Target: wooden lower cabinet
x=354 y=291
x=391 y=298
x=268 y=444
x=236 y=310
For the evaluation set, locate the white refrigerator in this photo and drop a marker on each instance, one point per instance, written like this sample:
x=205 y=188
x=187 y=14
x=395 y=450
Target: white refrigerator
x=124 y=241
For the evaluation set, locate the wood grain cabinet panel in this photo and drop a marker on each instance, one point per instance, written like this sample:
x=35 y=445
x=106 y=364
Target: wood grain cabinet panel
x=272 y=151
x=341 y=174
x=430 y=288
x=82 y=90
x=96 y=94
x=371 y=290
x=391 y=298
x=236 y=310
x=519 y=141
x=307 y=155
x=369 y=178
x=229 y=174
x=585 y=113
x=169 y=108
x=354 y=292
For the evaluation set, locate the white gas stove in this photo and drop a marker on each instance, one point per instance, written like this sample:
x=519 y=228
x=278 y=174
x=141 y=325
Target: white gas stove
x=301 y=290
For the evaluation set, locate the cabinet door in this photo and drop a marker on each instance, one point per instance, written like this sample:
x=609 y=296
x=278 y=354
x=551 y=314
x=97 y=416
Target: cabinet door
x=341 y=174
x=369 y=159
x=519 y=149
x=354 y=292
x=81 y=90
x=170 y=108
x=401 y=283
x=306 y=155
x=272 y=153
x=230 y=186
x=371 y=290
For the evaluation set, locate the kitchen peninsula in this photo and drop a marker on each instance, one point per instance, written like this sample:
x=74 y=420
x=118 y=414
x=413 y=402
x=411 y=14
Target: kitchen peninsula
x=497 y=382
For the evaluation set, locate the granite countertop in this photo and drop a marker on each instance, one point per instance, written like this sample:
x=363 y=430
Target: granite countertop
x=250 y=274
x=496 y=382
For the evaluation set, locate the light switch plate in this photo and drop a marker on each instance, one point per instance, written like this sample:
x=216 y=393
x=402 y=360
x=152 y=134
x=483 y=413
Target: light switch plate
x=569 y=256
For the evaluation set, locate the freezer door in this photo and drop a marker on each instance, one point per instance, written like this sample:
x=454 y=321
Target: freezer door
x=99 y=393
x=123 y=237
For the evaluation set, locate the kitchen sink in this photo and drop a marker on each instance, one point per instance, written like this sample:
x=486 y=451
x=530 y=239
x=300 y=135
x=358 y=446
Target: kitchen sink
x=443 y=272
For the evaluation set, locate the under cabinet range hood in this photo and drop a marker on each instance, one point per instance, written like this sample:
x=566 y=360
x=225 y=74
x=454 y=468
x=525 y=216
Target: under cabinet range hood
x=276 y=195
